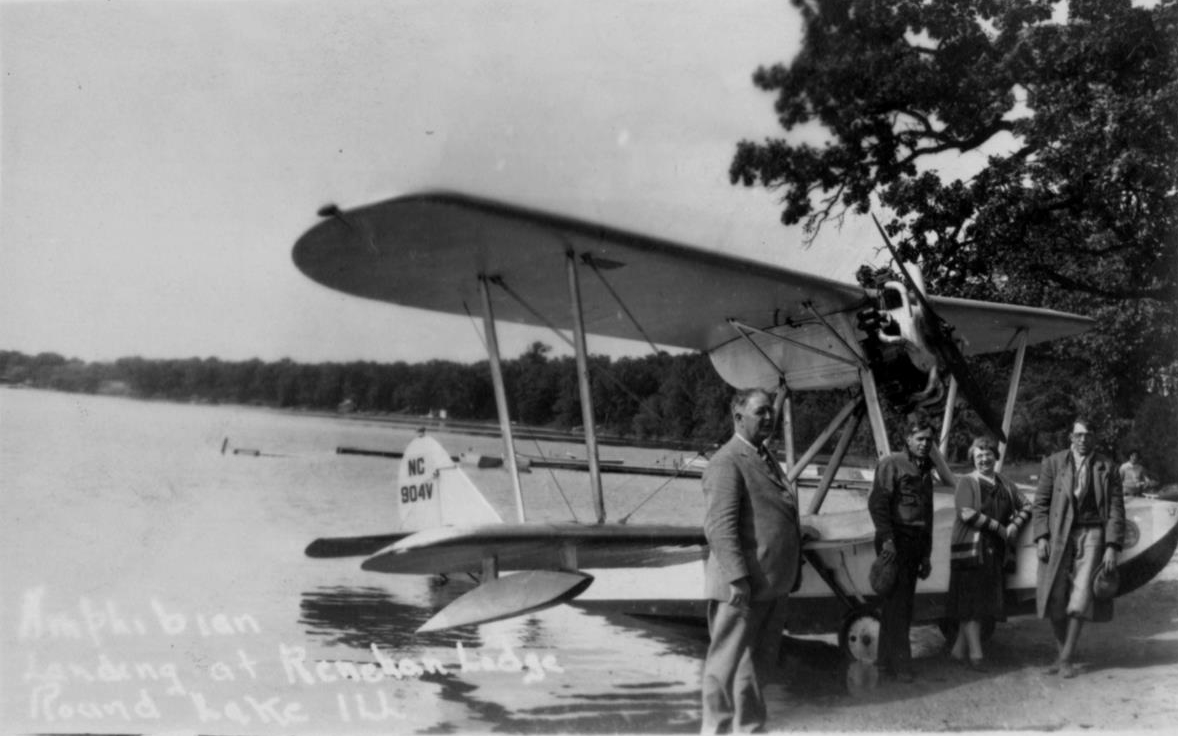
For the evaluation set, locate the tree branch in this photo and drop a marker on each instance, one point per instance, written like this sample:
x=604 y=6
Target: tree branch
x=1162 y=293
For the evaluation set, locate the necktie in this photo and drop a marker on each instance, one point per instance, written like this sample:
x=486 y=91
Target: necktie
x=774 y=468
x=1081 y=477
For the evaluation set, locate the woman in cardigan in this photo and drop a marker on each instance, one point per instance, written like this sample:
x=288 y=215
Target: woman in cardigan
x=990 y=513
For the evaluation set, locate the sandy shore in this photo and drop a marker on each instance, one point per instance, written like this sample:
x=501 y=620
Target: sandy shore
x=1128 y=679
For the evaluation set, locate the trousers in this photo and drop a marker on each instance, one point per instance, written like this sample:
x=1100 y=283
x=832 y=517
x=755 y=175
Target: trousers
x=895 y=648
x=1071 y=591
x=742 y=655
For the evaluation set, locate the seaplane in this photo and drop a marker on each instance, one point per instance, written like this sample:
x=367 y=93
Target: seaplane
x=762 y=326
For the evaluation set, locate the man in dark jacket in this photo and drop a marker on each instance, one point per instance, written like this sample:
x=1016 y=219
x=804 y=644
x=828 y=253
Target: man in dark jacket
x=901 y=507
x=1078 y=523
x=754 y=541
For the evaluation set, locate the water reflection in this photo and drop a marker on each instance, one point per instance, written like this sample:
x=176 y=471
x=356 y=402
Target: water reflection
x=656 y=709
x=618 y=674
x=596 y=638
x=681 y=635
x=358 y=617
x=651 y=711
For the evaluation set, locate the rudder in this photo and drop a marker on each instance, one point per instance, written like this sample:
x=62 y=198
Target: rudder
x=433 y=491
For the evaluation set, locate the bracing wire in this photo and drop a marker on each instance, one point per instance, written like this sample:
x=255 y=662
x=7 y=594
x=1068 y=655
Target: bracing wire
x=475 y=326
x=559 y=488
x=587 y=258
x=679 y=473
x=498 y=281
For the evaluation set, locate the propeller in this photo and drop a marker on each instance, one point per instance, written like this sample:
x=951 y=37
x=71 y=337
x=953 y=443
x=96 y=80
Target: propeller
x=940 y=335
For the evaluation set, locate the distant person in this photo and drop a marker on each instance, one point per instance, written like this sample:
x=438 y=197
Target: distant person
x=990 y=514
x=1134 y=479
x=754 y=540
x=901 y=506
x=1078 y=522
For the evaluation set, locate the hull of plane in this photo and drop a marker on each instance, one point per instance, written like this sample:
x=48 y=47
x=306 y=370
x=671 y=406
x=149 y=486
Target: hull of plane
x=671 y=595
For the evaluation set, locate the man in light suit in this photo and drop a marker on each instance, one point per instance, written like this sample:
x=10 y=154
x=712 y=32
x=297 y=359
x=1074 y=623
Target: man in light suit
x=754 y=540
x=1078 y=523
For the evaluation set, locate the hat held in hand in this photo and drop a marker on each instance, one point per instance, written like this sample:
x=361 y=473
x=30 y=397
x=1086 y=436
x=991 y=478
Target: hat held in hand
x=883 y=573
x=1106 y=583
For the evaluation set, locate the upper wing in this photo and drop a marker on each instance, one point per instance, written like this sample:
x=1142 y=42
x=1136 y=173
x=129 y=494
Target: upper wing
x=429 y=250
x=990 y=327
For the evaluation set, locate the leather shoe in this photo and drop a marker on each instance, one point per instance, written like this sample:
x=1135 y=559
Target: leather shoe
x=978 y=665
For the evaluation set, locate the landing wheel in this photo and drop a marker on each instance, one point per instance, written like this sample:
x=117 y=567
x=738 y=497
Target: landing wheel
x=859 y=636
x=948 y=627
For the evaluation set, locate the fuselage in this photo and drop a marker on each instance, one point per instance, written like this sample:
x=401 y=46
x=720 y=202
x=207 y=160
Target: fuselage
x=1151 y=536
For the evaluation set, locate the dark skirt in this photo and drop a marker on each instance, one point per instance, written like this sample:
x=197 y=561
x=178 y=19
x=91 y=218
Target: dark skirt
x=976 y=594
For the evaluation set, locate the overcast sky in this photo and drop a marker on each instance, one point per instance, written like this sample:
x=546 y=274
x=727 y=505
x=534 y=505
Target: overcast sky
x=160 y=159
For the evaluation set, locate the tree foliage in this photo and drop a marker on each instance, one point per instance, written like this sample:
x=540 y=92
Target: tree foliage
x=1075 y=111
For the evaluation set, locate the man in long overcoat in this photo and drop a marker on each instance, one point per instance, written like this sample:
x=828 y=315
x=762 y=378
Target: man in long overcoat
x=1078 y=523
x=754 y=540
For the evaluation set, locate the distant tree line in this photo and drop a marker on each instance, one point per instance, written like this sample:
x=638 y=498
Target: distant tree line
x=675 y=398
x=658 y=397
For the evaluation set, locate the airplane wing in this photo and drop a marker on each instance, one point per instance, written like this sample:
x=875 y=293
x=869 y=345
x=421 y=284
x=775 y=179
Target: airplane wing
x=428 y=250
x=458 y=549
x=990 y=327
x=531 y=546
x=549 y=556
x=548 y=559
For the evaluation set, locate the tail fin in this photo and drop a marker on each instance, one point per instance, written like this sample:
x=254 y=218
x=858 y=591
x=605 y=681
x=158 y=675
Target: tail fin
x=433 y=491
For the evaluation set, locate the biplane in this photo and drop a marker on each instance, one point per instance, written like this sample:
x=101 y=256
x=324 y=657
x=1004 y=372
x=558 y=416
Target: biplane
x=762 y=326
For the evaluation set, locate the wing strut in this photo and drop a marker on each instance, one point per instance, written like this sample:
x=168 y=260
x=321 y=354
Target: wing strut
x=583 y=384
x=500 y=395
x=1012 y=392
x=836 y=459
x=817 y=444
x=787 y=431
x=948 y=477
x=947 y=422
x=879 y=430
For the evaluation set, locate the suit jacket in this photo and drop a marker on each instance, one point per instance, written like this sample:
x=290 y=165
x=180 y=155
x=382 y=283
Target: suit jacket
x=1054 y=510
x=751 y=523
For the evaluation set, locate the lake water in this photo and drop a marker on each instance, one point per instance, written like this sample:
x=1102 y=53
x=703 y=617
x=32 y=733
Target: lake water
x=153 y=583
